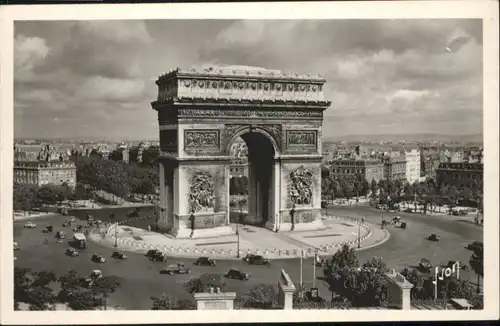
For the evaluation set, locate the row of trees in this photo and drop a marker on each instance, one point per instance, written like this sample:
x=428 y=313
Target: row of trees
x=36 y=290
x=28 y=197
x=118 y=178
x=333 y=186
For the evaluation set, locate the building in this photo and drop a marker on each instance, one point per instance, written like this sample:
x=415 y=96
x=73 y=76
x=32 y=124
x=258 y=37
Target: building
x=43 y=173
x=460 y=175
x=412 y=158
x=429 y=161
x=120 y=155
x=368 y=169
x=394 y=168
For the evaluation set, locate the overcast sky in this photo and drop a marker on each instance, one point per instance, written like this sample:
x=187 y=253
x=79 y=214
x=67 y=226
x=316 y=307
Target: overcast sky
x=96 y=78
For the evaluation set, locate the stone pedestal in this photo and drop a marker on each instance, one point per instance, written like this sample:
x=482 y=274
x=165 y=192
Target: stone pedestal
x=215 y=301
x=286 y=290
x=398 y=291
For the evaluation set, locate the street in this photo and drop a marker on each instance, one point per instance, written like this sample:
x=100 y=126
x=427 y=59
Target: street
x=141 y=278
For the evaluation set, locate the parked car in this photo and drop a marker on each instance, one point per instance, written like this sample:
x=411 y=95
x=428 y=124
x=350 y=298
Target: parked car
x=71 y=252
x=16 y=246
x=476 y=245
x=237 y=275
x=178 y=268
x=425 y=265
x=257 y=260
x=403 y=225
x=159 y=256
x=98 y=258
x=205 y=261
x=151 y=252
x=408 y=210
x=30 y=225
x=119 y=255
x=434 y=237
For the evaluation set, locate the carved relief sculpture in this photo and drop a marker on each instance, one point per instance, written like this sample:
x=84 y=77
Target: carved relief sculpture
x=201 y=192
x=202 y=139
x=300 y=189
x=301 y=138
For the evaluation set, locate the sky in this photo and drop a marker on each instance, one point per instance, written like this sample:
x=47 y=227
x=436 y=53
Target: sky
x=95 y=79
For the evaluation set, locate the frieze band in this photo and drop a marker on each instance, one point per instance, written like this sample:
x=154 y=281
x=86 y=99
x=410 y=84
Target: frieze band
x=187 y=112
x=201 y=138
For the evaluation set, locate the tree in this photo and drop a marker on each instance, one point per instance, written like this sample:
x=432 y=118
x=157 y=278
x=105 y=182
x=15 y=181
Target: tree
x=261 y=296
x=33 y=288
x=204 y=283
x=104 y=286
x=373 y=188
x=69 y=283
x=81 y=300
x=416 y=278
x=376 y=263
x=166 y=302
x=477 y=264
x=335 y=268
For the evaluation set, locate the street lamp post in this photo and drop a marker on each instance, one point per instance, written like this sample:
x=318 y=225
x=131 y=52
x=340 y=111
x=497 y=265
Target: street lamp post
x=116 y=235
x=240 y=216
x=359 y=231
x=292 y=215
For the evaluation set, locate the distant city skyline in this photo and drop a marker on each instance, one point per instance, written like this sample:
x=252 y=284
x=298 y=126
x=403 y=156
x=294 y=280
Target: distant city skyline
x=95 y=79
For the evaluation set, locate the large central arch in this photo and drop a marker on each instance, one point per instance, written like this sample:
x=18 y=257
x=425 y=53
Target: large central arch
x=278 y=115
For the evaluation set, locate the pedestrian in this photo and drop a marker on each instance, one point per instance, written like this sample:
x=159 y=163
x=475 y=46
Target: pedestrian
x=149 y=227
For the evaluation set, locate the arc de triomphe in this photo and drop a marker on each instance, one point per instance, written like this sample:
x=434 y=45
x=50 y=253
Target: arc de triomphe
x=278 y=115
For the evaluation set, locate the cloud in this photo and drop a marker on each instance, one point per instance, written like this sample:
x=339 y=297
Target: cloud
x=383 y=75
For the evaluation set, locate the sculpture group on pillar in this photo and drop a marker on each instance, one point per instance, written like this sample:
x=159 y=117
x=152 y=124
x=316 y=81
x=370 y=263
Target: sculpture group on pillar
x=201 y=194
x=300 y=189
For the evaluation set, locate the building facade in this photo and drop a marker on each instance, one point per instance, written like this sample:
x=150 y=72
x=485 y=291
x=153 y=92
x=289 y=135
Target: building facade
x=460 y=175
x=368 y=169
x=394 y=168
x=429 y=161
x=412 y=165
x=45 y=173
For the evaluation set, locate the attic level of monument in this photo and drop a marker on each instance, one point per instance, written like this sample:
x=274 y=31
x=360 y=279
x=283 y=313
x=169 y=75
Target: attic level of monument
x=229 y=87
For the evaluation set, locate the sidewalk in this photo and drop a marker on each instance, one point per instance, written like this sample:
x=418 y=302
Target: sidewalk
x=252 y=239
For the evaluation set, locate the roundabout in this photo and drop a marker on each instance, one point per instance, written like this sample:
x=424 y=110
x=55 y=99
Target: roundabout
x=141 y=277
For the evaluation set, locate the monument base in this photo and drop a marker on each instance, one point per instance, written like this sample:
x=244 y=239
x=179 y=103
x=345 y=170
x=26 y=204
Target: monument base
x=202 y=233
x=315 y=225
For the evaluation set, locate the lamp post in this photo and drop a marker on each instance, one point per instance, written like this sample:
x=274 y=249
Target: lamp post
x=116 y=235
x=359 y=231
x=292 y=215
x=240 y=216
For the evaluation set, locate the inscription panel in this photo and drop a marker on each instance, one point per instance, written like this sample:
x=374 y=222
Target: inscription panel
x=168 y=140
x=216 y=305
x=201 y=139
x=250 y=113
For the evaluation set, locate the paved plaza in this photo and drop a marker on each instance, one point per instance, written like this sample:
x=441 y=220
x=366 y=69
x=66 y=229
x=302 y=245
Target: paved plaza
x=337 y=231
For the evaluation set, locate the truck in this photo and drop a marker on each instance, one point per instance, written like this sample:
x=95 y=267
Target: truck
x=79 y=240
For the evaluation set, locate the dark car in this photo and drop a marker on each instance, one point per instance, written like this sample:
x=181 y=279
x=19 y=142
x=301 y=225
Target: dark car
x=434 y=237
x=257 y=260
x=48 y=228
x=66 y=224
x=71 y=252
x=408 y=210
x=119 y=255
x=159 y=256
x=98 y=258
x=403 y=225
x=205 y=261
x=476 y=245
x=237 y=275
x=151 y=252
x=453 y=262
x=324 y=204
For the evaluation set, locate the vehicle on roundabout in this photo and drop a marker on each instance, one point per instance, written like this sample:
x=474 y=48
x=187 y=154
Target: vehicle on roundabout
x=396 y=219
x=476 y=245
x=98 y=258
x=66 y=224
x=94 y=276
x=72 y=252
x=237 y=275
x=319 y=262
x=60 y=235
x=252 y=259
x=408 y=210
x=324 y=204
x=403 y=225
x=178 y=268
x=30 y=225
x=16 y=246
x=119 y=255
x=151 y=252
x=425 y=265
x=204 y=261
x=434 y=237
x=159 y=256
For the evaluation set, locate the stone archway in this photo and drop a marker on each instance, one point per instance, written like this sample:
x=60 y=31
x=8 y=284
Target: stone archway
x=278 y=115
